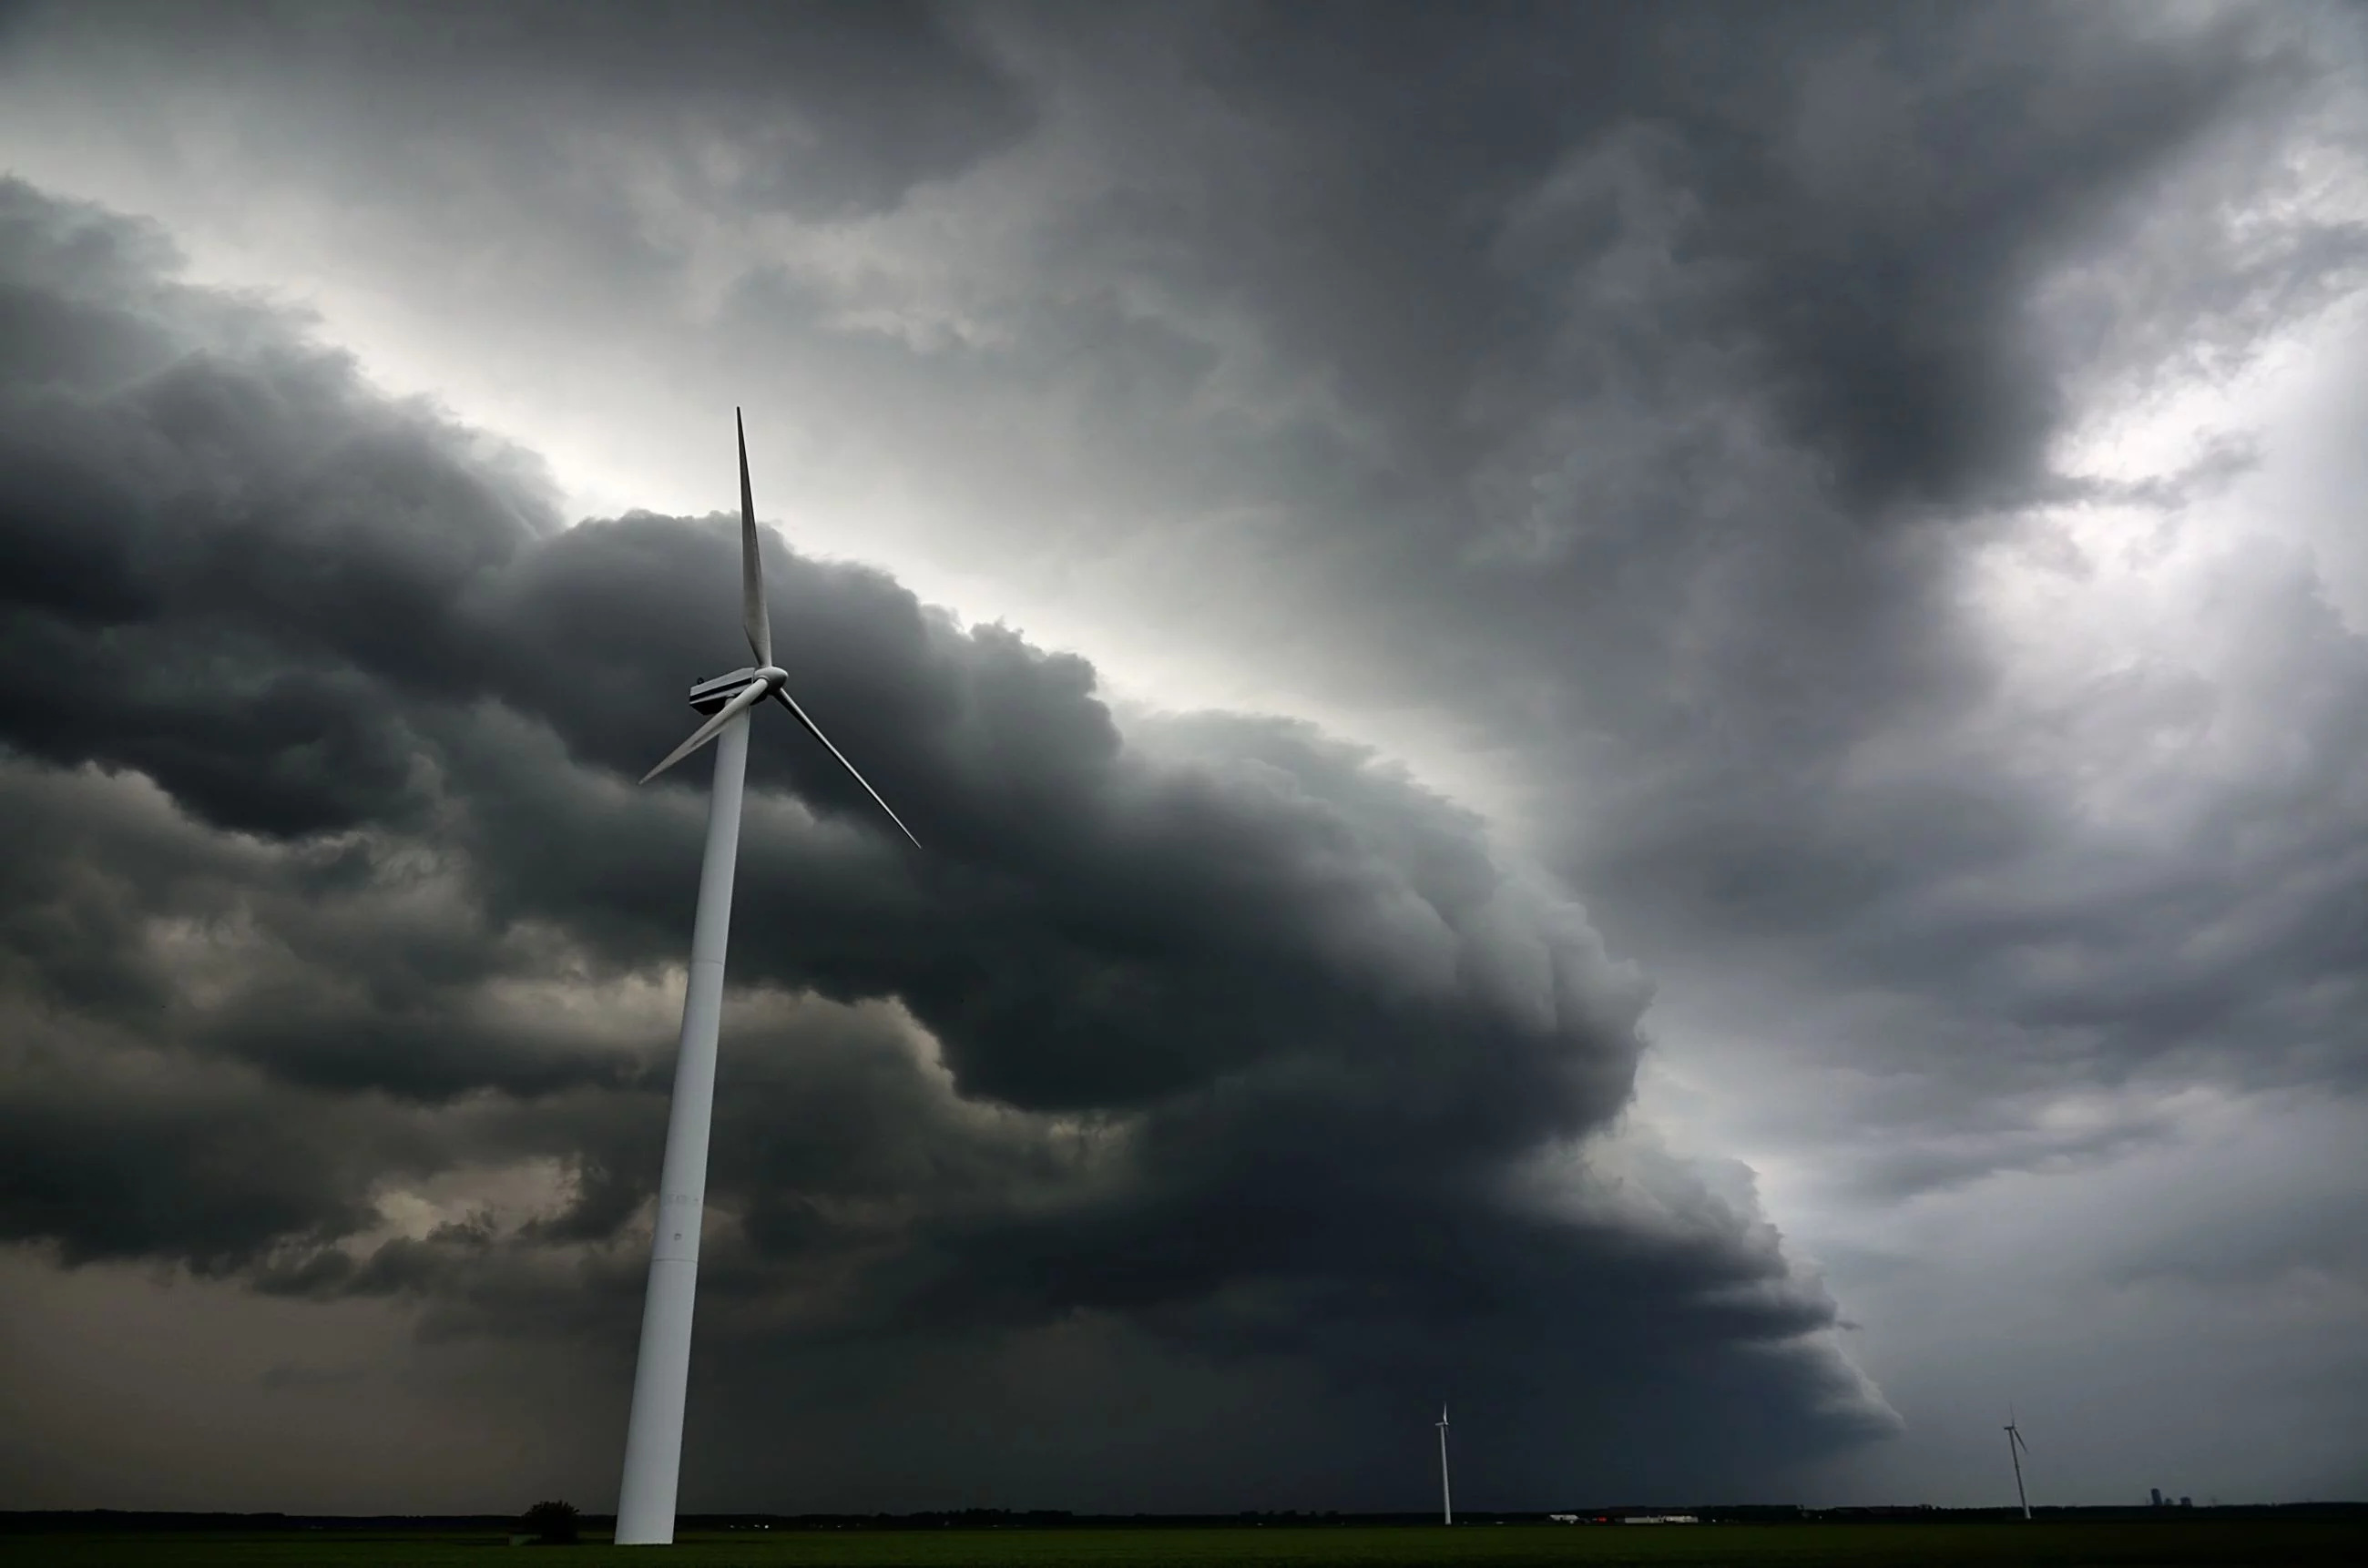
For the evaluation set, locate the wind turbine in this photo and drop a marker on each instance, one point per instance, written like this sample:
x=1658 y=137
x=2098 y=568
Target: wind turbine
x=654 y=1434
x=2015 y=1449
x=1446 y=1499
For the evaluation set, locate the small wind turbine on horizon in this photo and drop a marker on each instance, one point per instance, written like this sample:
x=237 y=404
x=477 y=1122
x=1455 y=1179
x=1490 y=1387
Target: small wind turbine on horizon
x=645 y=1503
x=1446 y=1499
x=2015 y=1449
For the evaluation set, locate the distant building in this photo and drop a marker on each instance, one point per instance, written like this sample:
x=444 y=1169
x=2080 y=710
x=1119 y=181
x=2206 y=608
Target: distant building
x=2156 y=1495
x=1662 y=1519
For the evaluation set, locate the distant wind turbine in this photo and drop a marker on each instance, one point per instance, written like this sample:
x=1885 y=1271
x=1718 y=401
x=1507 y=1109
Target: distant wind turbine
x=645 y=1503
x=1446 y=1499
x=2015 y=1449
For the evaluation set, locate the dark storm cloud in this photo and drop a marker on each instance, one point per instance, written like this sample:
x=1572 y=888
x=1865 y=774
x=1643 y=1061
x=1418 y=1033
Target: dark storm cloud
x=1646 y=389
x=1846 y=206
x=335 y=925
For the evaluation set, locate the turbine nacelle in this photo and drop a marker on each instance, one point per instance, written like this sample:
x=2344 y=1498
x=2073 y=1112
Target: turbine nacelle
x=712 y=694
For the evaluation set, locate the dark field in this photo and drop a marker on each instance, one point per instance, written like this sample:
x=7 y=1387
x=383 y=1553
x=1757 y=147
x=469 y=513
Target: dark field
x=2269 y=1543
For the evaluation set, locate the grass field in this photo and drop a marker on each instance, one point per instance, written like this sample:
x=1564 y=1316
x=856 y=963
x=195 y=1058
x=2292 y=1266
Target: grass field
x=2254 y=1543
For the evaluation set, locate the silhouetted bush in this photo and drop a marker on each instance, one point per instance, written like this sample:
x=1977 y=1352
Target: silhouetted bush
x=551 y=1524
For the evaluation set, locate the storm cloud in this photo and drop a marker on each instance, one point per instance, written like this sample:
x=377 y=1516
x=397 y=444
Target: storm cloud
x=1577 y=634
x=328 y=886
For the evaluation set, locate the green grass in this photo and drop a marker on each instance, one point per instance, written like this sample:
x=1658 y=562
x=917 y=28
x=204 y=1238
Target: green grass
x=2074 y=1544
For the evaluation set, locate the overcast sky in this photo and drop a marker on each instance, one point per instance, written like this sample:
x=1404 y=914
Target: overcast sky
x=1651 y=716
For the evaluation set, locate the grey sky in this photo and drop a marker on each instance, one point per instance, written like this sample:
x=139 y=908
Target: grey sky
x=1423 y=570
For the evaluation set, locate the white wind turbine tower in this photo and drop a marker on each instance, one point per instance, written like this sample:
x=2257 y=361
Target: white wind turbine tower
x=2015 y=1449
x=1446 y=1499
x=653 y=1436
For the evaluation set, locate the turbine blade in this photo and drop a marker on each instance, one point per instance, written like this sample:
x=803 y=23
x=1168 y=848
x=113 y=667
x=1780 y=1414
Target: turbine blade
x=745 y=698
x=752 y=567
x=792 y=704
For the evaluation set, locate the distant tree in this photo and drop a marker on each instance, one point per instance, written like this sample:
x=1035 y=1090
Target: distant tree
x=551 y=1524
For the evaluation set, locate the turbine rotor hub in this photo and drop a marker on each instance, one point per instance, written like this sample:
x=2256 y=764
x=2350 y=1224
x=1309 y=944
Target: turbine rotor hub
x=774 y=677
